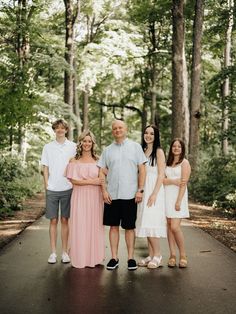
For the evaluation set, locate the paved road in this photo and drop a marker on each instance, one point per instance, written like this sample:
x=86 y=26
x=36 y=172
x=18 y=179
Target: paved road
x=29 y=285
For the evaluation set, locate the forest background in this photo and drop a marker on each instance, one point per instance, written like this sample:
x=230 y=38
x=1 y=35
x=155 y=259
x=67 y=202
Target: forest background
x=171 y=63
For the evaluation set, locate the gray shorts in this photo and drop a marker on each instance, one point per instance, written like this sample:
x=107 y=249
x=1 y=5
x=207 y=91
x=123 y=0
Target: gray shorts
x=56 y=200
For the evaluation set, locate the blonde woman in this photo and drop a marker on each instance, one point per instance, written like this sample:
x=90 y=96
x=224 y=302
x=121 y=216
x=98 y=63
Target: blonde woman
x=86 y=237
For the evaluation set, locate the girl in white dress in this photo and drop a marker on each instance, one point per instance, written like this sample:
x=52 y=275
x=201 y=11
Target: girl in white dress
x=176 y=199
x=151 y=219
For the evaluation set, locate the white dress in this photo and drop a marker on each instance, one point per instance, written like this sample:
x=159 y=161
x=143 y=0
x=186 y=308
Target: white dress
x=171 y=194
x=151 y=221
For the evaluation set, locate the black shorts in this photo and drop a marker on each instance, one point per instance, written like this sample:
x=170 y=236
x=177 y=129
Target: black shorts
x=120 y=212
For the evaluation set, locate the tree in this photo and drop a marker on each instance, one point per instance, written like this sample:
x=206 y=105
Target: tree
x=226 y=84
x=153 y=17
x=195 y=90
x=178 y=121
x=71 y=16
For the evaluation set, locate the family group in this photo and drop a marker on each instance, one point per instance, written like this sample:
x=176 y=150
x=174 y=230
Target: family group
x=129 y=186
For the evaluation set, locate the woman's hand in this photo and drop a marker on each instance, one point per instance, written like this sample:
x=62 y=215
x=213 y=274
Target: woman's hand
x=151 y=200
x=177 y=182
x=106 y=197
x=177 y=206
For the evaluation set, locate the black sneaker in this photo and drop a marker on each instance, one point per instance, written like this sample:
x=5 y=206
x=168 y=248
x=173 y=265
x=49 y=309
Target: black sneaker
x=113 y=264
x=132 y=264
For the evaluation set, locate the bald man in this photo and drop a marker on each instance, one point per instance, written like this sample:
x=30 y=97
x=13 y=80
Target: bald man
x=125 y=162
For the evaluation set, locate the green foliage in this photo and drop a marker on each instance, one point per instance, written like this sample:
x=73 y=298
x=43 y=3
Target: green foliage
x=215 y=183
x=118 y=44
x=16 y=183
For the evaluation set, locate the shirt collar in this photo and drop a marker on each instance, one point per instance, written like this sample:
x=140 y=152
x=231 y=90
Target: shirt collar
x=122 y=143
x=59 y=144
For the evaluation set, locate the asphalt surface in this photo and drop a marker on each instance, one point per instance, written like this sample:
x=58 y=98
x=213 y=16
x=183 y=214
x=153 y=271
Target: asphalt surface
x=28 y=284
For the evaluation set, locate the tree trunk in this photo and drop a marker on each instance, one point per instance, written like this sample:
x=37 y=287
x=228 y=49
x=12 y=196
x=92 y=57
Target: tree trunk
x=23 y=49
x=177 y=68
x=99 y=142
x=71 y=15
x=154 y=95
x=69 y=55
x=23 y=46
x=226 y=88
x=195 y=91
x=85 y=110
x=144 y=118
x=185 y=104
x=152 y=62
x=11 y=139
x=76 y=107
x=145 y=104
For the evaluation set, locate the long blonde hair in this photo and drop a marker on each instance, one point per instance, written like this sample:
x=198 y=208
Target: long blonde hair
x=79 y=145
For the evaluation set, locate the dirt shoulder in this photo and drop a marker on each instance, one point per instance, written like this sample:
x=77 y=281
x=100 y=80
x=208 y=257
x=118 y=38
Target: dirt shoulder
x=221 y=228
x=11 y=226
x=213 y=222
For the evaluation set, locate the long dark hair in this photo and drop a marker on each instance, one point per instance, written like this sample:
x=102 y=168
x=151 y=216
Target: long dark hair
x=170 y=158
x=156 y=143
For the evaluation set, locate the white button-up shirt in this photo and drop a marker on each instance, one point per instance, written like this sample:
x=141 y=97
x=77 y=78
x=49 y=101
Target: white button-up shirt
x=56 y=157
x=122 y=161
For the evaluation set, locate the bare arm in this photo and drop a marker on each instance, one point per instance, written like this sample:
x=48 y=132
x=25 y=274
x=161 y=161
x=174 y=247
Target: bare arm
x=167 y=181
x=106 y=196
x=95 y=181
x=185 y=174
x=141 y=181
x=45 y=176
x=161 y=174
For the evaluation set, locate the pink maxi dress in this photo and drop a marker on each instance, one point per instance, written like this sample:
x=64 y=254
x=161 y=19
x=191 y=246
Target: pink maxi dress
x=86 y=230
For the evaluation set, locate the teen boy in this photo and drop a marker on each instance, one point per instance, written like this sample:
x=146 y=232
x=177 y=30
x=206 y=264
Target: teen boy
x=55 y=157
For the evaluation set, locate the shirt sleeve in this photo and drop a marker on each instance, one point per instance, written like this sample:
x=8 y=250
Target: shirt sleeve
x=102 y=160
x=141 y=158
x=44 y=157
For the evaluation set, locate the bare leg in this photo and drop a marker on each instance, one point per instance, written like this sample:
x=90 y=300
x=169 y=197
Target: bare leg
x=53 y=234
x=150 y=251
x=154 y=243
x=114 y=237
x=178 y=235
x=64 y=233
x=171 y=238
x=130 y=240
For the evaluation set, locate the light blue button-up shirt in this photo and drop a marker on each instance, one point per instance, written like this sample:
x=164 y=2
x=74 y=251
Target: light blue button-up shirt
x=122 y=161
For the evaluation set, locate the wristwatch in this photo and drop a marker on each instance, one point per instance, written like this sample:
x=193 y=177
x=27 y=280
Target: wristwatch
x=140 y=190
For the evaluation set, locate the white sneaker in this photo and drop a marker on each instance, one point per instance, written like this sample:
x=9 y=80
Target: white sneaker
x=65 y=258
x=52 y=258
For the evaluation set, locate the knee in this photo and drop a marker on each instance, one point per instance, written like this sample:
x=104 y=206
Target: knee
x=174 y=228
x=64 y=221
x=129 y=231
x=53 y=222
x=114 y=228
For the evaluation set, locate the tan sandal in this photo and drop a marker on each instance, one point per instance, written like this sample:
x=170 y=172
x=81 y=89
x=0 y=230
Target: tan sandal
x=144 y=262
x=172 y=261
x=183 y=262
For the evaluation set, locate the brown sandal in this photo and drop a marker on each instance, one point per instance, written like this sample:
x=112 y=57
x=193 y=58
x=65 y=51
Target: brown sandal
x=172 y=261
x=183 y=262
